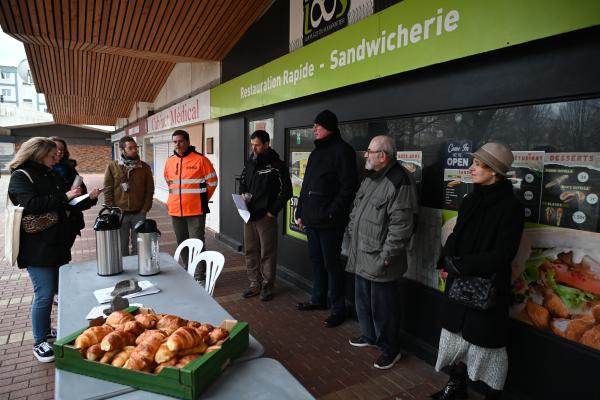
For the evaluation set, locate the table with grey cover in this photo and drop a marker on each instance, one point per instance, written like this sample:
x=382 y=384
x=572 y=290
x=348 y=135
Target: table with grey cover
x=261 y=378
x=180 y=295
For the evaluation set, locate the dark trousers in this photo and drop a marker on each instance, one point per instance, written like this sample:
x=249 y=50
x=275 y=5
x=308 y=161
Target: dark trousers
x=324 y=248
x=191 y=227
x=378 y=314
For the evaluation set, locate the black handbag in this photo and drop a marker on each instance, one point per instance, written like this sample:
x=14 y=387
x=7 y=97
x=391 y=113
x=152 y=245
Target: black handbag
x=471 y=291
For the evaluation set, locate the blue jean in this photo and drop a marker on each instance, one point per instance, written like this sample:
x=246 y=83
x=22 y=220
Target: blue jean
x=324 y=248
x=378 y=313
x=45 y=285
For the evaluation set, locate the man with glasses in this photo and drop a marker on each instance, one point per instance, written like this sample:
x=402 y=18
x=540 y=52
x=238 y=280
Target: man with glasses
x=130 y=186
x=328 y=188
x=381 y=225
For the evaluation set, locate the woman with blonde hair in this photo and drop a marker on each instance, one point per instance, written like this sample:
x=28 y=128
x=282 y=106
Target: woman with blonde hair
x=43 y=246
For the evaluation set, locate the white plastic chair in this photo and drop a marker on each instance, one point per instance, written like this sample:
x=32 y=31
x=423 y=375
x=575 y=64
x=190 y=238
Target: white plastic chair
x=194 y=248
x=214 y=265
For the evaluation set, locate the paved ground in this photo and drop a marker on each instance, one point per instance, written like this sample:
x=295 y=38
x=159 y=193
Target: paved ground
x=320 y=358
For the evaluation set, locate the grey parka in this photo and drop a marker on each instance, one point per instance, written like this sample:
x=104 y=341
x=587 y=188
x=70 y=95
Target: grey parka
x=381 y=224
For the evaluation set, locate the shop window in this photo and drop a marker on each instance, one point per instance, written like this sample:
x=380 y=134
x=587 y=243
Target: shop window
x=556 y=176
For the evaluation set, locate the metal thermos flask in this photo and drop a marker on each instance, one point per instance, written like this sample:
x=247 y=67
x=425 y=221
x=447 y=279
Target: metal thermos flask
x=148 y=237
x=108 y=241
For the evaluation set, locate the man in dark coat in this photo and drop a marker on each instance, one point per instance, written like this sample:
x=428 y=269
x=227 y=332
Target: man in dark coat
x=266 y=187
x=328 y=189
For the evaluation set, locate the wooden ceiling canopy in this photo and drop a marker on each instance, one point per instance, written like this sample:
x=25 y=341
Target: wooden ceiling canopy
x=94 y=59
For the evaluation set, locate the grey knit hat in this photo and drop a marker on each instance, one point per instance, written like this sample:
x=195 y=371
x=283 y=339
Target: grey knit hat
x=497 y=156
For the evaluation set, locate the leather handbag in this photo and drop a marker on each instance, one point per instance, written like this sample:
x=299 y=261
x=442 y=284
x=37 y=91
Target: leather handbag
x=35 y=223
x=471 y=291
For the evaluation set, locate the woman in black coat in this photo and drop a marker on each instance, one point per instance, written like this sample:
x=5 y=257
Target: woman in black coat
x=65 y=169
x=38 y=190
x=483 y=243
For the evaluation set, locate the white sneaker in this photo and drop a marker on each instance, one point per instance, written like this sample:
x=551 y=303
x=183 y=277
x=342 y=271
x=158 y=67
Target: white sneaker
x=43 y=352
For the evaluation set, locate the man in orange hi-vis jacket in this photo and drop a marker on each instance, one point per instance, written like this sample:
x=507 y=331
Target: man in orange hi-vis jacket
x=192 y=181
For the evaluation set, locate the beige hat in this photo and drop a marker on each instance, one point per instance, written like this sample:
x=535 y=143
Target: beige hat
x=497 y=156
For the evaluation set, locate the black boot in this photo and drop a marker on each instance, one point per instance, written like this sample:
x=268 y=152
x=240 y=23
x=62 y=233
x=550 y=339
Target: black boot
x=456 y=388
x=493 y=394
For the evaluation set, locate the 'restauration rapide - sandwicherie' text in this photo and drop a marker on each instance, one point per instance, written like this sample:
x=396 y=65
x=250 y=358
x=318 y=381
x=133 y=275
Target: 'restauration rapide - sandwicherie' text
x=403 y=36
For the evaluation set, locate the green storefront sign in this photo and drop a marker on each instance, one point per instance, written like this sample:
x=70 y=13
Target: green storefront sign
x=409 y=35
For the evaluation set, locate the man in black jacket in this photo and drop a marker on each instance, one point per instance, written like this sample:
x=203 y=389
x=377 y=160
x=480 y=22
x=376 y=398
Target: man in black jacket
x=266 y=187
x=328 y=189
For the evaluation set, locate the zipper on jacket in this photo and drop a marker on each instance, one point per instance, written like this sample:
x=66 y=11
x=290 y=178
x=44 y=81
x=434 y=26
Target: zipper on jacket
x=177 y=171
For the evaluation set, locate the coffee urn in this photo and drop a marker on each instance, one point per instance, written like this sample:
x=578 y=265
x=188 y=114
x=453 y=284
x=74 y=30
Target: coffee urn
x=148 y=237
x=108 y=241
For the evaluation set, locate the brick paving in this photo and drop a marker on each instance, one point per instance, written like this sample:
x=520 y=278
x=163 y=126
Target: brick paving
x=320 y=358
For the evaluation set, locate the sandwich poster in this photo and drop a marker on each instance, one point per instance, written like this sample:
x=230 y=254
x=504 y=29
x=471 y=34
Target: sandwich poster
x=556 y=283
x=570 y=190
x=526 y=176
x=299 y=160
x=412 y=161
x=457 y=184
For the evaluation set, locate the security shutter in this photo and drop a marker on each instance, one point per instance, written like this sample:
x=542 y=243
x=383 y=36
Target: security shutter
x=161 y=153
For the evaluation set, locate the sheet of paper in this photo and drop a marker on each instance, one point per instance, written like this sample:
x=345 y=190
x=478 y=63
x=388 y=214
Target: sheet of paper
x=98 y=311
x=240 y=204
x=103 y=295
x=79 y=199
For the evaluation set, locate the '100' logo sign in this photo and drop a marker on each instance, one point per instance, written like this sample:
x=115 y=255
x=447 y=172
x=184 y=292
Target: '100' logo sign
x=322 y=17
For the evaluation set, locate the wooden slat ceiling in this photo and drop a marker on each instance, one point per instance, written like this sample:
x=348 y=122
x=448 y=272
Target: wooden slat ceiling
x=94 y=59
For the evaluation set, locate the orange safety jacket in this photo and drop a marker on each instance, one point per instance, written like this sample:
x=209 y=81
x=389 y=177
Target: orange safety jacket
x=192 y=181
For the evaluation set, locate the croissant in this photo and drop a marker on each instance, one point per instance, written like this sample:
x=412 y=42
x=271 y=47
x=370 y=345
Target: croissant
x=149 y=333
x=170 y=323
x=217 y=334
x=163 y=354
x=203 y=335
x=206 y=328
x=213 y=348
x=183 y=361
x=108 y=356
x=92 y=336
x=117 y=340
x=122 y=356
x=170 y=363
x=94 y=352
x=117 y=318
x=142 y=358
x=184 y=338
x=200 y=349
x=194 y=324
x=133 y=327
x=147 y=320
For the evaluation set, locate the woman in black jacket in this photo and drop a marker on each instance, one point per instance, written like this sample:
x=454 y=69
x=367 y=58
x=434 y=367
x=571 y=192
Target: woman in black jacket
x=38 y=190
x=65 y=169
x=483 y=243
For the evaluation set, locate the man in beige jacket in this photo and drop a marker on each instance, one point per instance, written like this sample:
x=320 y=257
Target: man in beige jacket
x=129 y=186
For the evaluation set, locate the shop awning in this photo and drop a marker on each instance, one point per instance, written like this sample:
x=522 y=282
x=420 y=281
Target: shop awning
x=94 y=60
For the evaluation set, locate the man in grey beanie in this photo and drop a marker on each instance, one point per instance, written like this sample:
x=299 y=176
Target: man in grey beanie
x=328 y=189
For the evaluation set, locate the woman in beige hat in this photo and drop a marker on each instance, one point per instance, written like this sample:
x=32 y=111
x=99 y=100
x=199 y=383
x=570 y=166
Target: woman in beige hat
x=483 y=243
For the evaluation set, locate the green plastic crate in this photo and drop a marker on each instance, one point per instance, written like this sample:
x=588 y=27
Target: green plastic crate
x=185 y=383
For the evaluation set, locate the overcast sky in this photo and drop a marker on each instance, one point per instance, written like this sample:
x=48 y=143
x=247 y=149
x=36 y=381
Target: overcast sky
x=11 y=50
